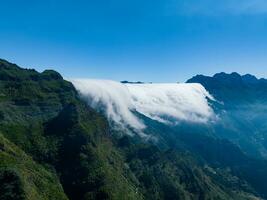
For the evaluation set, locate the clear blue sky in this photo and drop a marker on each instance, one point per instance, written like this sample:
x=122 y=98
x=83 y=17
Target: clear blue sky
x=146 y=40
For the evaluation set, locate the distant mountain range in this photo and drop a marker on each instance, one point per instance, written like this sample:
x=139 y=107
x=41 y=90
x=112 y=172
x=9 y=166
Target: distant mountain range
x=132 y=82
x=55 y=145
x=233 y=87
x=242 y=109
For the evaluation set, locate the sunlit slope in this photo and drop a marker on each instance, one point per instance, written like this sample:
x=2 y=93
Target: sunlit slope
x=77 y=149
x=23 y=178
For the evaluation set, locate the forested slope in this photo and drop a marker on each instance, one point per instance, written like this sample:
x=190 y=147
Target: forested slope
x=54 y=146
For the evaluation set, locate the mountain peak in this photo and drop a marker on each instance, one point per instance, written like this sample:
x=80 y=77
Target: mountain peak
x=230 y=78
x=5 y=64
x=250 y=78
x=51 y=75
x=223 y=75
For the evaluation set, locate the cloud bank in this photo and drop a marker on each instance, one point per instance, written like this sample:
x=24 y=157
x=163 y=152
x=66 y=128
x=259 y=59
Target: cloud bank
x=166 y=103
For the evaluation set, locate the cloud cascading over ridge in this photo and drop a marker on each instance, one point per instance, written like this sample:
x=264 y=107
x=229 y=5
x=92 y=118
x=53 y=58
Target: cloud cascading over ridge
x=166 y=103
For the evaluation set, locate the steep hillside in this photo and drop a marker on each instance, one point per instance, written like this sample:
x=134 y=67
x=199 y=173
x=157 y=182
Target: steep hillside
x=22 y=178
x=54 y=146
x=42 y=114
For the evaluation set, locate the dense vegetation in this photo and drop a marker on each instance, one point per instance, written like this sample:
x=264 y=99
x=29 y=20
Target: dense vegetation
x=54 y=146
x=43 y=116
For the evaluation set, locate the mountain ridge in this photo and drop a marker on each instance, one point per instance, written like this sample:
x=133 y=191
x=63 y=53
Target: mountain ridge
x=223 y=75
x=85 y=158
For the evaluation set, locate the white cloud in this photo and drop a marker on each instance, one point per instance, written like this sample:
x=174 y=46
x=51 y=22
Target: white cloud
x=165 y=103
x=181 y=101
x=111 y=97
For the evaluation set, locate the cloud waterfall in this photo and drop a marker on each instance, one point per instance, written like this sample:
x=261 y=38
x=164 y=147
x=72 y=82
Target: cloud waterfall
x=166 y=103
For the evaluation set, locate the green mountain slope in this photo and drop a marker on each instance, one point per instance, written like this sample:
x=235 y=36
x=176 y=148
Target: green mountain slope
x=22 y=178
x=42 y=114
x=52 y=140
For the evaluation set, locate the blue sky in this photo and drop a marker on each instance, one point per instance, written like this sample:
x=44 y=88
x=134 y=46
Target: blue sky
x=146 y=40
